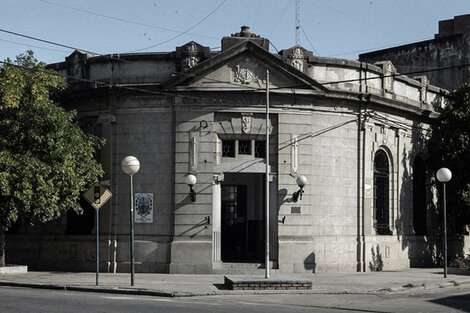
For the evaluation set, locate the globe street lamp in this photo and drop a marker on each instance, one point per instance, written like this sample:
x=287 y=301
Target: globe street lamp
x=301 y=182
x=444 y=175
x=130 y=165
x=191 y=180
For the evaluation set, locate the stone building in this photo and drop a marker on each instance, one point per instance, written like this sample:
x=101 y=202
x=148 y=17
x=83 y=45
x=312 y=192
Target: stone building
x=357 y=134
x=445 y=60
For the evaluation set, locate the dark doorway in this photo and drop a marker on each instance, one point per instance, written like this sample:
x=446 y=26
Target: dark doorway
x=419 y=196
x=242 y=229
x=381 y=193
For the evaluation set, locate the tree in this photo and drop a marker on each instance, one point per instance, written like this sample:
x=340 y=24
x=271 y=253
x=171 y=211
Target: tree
x=451 y=133
x=46 y=160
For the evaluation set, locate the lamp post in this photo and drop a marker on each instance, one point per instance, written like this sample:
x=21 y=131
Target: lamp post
x=130 y=165
x=444 y=175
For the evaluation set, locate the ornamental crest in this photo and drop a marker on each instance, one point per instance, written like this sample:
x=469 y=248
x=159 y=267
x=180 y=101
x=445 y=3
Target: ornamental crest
x=144 y=208
x=246 y=72
x=297 y=58
x=246 y=123
x=297 y=53
x=190 y=62
x=191 y=48
x=298 y=64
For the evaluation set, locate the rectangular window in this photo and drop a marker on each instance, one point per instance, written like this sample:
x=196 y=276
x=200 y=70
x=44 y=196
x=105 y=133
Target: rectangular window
x=260 y=149
x=228 y=148
x=244 y=147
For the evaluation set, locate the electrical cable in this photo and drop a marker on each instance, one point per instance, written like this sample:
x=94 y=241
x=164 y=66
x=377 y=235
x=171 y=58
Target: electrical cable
x=111 y=56
x=118 y=86
x=183 y=33
x=248 y=87
x=375 y=116
x=377 y=48
x=122 y=20
x=361 y=21
x=303 y=32
x=31 y=46
x=59 y=44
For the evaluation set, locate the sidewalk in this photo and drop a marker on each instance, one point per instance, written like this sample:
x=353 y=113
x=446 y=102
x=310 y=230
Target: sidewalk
x=179 y=285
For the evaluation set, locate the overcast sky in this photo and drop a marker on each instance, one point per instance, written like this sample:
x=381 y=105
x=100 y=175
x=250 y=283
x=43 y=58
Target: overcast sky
x=333 y=28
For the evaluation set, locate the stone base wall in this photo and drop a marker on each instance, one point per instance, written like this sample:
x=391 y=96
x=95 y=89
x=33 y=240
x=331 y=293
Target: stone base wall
x=78 y=253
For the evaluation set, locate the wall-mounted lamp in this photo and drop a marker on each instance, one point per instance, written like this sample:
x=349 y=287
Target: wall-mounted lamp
x=301 y=182
x=191 y=181
x=203 y=124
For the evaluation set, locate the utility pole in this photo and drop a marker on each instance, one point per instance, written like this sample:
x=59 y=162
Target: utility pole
x=266 y=260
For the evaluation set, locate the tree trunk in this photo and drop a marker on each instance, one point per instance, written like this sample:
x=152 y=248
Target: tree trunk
x=2 y=247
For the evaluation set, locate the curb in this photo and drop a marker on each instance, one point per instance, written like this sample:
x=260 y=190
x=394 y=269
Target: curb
x=113 y=290
x=175 y=294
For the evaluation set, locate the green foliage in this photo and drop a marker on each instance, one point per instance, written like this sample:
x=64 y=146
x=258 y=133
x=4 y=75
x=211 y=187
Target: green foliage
x=451 y=133
x=46 y=160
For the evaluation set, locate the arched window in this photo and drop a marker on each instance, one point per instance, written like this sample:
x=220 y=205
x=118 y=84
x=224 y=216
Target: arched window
x=419 y=196
x=381 y=193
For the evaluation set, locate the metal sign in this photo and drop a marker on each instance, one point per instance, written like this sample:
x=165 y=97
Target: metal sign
x=143 y=208
x=97 y=195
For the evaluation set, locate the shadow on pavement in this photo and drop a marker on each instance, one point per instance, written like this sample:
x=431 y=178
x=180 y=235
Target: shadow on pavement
x=460 y=302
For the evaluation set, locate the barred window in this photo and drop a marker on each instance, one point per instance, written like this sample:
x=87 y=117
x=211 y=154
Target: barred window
x=244 y=147
x=228 y=148
x=260 y=149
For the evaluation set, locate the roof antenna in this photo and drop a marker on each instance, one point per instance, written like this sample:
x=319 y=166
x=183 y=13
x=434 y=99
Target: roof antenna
x=297 y=22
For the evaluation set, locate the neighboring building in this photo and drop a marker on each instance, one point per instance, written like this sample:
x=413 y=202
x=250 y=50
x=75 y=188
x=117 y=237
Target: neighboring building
x=355 y=132
x=445 y=60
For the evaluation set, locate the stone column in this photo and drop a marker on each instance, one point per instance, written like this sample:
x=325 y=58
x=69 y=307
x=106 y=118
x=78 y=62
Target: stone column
x=217 y=221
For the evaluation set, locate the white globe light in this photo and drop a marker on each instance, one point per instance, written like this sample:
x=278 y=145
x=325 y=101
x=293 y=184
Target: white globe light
x=130 y=165
x=191 y=180
x=444 y=175
x=301 y=181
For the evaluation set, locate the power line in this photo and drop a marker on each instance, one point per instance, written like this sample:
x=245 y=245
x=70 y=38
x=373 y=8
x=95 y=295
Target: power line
x=60 y=45
x=379 y=77
x=31 y=46
x=361 y=21
x=306 y=37
x=183 y=33
x=283 y=12
x=121 y=19
x=102 y=84
x=42 y=40
x=254 y=88
x=97 y=83
x=376 y=48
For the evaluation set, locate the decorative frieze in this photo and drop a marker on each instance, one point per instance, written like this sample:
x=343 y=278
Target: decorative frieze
x=247 y=72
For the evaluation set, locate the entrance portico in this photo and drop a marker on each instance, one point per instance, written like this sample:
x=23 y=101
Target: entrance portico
x=239 y=215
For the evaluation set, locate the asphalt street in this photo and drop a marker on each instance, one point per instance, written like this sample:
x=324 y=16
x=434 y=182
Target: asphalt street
x=19 y=300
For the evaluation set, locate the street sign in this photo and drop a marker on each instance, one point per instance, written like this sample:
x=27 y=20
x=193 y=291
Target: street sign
x=97 y=195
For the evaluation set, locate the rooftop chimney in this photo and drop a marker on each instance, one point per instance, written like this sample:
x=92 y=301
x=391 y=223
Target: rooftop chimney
x=244 y=35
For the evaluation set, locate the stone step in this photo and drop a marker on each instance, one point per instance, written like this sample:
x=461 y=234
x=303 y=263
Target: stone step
x=242 y=268
x=13 y=269
x=246 y=282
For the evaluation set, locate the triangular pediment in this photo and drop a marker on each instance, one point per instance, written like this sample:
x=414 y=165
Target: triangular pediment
x=243 y=67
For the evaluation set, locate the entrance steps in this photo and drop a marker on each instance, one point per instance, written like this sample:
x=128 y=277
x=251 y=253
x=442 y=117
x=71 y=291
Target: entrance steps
x=243 y=268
